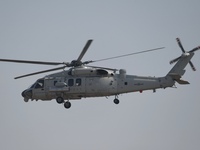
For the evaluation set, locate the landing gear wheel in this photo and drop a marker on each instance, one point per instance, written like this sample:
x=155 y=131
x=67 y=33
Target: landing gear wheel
x=116 y=101
x=67 y=105
x=26 y=100
x=59 y=100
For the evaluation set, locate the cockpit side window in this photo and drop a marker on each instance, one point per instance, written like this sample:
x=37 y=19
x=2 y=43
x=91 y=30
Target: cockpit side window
x=39 y=84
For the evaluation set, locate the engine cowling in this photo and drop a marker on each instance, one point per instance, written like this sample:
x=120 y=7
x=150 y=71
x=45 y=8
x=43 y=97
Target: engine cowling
x=82 y=71
x=90 y=71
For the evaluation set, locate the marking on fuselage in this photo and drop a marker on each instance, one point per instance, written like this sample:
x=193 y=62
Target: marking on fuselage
x=138 y=84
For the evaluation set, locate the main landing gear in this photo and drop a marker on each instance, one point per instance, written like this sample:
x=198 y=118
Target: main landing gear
x=60 y=100
x=67 y=104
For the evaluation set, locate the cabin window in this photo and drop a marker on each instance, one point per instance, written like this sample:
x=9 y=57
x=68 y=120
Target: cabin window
x=78 y=82
x=70 y=82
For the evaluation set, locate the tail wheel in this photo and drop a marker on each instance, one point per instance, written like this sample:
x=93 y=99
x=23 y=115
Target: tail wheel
x=116 y=101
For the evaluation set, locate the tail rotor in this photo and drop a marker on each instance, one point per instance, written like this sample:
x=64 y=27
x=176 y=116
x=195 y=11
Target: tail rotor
x=185 y=54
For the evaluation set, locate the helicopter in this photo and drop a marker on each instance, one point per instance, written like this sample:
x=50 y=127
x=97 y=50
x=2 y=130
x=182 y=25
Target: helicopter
x=83 y=81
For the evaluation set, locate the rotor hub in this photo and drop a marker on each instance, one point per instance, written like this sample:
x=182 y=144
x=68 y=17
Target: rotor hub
x=76 y=63
x=185 y=54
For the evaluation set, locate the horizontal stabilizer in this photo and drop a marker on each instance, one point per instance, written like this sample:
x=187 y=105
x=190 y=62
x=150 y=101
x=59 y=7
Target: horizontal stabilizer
x=182 y=82
x=177 y=78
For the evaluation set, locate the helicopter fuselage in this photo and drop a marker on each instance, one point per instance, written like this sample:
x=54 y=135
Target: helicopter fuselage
x=89 y=82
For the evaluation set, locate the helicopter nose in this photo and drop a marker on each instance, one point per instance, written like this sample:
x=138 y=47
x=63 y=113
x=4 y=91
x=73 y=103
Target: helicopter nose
x=27 y=93
x=23 y=93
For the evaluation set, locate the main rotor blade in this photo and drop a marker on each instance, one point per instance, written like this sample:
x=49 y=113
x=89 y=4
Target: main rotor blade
x=191 y=64
x=195 y=49
x=59 y=68
x=84 y=50
x=128 y=54
x=31 y=62
x=180 y=45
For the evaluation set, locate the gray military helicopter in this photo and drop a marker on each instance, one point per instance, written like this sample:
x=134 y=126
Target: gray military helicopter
x=82 y=80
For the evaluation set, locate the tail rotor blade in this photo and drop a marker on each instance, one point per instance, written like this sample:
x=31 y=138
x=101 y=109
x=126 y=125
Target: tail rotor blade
x=195 y=49
x=175 y=60
x=180 y=45
x=191 y=64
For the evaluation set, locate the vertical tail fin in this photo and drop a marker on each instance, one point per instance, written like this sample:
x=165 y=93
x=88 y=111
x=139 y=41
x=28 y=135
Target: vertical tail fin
x=178 y=68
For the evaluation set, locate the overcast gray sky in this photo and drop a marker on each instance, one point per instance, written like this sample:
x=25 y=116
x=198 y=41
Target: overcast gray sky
x=57 y=30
